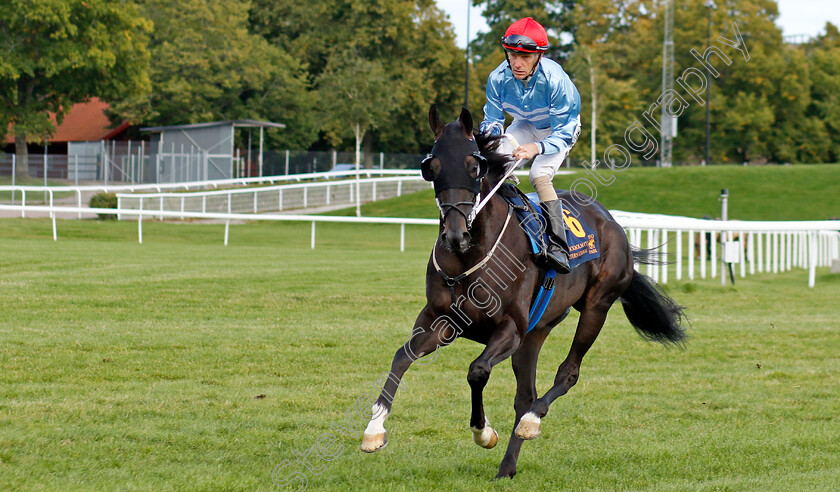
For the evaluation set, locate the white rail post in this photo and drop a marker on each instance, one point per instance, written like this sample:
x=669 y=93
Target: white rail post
x=751 y=252
x=776 y=252
x=691 y=255
x=742 y=252
x=52 y=215
x=23 y=203
x=759 y=251
x=312 y=241
x=119 y=208
x=768 y=251
x=651 y=270
x=788 y=251
x=713 y=256
x=703 y=254
x=812 y=258
x=402 y=237
x=255 y=200
x=678 y=235
x=664 y=266
x=227 y=221
x=79 y=199
x=140 y=223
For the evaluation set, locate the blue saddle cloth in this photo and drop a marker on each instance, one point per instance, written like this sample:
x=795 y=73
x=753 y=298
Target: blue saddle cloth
x=581 y=239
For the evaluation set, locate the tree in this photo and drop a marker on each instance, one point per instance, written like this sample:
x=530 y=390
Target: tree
x=554 y=15
x=207 y=66
x=410 y=39
x=352 y=99
x=56 y=53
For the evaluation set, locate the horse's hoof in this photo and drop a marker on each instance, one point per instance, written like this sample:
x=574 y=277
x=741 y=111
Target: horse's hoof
x=373 y=442
x=528 y=427
x=487 y=437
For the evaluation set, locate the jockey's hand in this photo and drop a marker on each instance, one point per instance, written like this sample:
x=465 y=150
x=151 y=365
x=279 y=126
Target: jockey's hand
x=527 y=151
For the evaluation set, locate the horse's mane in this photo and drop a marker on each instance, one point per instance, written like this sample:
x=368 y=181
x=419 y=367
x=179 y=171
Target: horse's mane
x=497 y=163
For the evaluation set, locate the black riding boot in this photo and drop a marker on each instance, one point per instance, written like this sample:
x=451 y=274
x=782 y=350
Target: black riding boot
x=557 y=254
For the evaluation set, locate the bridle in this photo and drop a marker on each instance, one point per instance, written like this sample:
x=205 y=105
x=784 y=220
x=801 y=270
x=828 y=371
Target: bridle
x=446 y=207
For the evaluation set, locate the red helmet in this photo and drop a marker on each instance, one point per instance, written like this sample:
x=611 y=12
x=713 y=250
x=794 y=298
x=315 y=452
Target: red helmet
x=526 y=36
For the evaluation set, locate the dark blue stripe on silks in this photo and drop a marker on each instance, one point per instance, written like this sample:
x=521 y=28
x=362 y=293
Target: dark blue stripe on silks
x=541 y=302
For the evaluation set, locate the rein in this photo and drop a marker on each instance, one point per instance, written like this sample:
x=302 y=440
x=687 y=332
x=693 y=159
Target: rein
x=510 y=171
x=452 y=281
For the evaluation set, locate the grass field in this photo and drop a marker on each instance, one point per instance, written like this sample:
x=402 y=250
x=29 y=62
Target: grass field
x=803 y=192
x=181 y=364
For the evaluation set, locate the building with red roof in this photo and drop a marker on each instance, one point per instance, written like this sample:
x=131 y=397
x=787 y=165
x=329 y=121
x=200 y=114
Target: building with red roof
x=85 y=122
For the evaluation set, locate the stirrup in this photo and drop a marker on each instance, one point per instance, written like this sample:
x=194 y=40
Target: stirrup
x=557 y=260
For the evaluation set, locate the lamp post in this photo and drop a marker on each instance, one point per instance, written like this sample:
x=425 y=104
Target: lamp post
x=467 y=78
x=710 y=4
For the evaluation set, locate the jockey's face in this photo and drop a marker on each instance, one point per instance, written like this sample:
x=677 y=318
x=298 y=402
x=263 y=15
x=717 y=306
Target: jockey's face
x=522 y=64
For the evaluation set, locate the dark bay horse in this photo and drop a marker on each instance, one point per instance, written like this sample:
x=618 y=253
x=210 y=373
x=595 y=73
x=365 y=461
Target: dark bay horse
x=481 y=280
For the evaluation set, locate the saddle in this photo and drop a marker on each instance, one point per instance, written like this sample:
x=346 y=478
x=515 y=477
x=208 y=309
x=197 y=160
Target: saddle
x=582 y=241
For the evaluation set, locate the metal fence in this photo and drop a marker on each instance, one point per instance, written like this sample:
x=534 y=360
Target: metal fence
x=277 y=198
x=130 y=162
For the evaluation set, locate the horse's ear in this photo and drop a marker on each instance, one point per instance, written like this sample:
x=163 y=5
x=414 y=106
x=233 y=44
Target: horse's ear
x=434 y=121
x=466 y=122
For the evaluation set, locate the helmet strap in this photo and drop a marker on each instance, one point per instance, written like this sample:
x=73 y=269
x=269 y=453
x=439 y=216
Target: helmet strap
x=533 y=69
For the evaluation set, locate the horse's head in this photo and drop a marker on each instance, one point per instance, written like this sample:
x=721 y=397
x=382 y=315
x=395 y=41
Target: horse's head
x=456 y=167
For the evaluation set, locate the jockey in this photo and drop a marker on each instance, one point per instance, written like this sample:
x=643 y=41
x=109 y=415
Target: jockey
x=545 y=106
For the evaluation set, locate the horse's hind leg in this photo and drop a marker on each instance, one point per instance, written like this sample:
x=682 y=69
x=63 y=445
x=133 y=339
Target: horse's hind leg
x=589 y=326
x=524 y=362
x=423 y=341
x=503 y=342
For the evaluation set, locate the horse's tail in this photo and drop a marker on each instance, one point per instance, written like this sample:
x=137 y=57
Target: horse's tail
x=653 y=314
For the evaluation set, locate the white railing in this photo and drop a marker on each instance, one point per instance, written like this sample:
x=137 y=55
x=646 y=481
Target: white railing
x=274 y=198
x=751 y=246
x=759 y=246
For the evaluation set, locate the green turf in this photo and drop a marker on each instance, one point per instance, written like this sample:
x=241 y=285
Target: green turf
x=182 y=364
x=803 y=192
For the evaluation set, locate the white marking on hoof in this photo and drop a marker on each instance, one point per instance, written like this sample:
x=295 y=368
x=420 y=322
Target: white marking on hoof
x=487 y=437
x=373 y=442
x=374 y=437
x=528 y=427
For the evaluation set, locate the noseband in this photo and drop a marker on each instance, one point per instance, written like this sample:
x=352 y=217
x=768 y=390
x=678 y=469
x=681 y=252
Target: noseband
x=446 y=207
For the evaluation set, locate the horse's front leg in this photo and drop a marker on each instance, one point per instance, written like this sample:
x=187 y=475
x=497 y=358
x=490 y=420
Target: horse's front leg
x=524 y=362
x=426 y=338
x=589 y=326
x=502 y=343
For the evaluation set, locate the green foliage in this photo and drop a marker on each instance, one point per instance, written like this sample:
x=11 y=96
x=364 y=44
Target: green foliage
x=409 y=39
x=207 y=66
x=755 y=192
x=56 y=53
x=104 y=200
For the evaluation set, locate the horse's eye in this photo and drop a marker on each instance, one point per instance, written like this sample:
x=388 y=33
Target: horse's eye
x=476 y=165
x=430 y=167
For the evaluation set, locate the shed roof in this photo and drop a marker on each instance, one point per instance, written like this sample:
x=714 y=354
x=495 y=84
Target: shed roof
x=235 y=123
x=85 y=122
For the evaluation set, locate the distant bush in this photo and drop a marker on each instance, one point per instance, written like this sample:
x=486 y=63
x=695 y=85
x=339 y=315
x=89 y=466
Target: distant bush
x=104 y=200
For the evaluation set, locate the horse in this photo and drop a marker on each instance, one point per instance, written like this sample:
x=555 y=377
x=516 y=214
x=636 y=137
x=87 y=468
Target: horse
x=482 y=277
